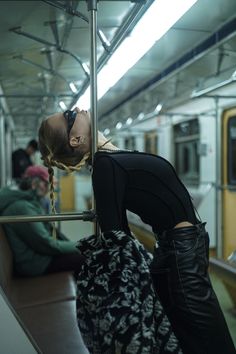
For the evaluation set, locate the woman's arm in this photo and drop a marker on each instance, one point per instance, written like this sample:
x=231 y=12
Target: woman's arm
x=109 y=184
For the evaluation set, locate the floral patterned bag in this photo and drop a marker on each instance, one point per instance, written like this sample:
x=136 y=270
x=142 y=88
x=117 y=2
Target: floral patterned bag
x=117 y=308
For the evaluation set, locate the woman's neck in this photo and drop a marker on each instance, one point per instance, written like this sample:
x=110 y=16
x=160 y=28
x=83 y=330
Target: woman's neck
x=104 y=143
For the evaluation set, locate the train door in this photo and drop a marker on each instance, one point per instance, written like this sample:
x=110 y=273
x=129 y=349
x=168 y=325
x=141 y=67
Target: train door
x=229 y=182
x=151 y=142
x=194 y=161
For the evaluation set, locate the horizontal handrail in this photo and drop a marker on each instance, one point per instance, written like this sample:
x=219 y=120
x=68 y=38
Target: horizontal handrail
x=223 y=266
x=85 y=216
x=229 y=187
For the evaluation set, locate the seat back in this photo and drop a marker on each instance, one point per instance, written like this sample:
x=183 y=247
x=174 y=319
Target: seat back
x=6 y=262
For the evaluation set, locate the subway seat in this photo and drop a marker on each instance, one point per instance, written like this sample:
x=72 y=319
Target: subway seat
x=46 y=305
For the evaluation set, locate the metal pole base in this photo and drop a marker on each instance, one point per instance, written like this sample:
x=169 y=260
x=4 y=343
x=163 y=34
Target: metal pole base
x=92 y=5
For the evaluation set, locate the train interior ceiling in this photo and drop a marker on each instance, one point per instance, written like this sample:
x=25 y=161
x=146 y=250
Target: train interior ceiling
x=177 y=98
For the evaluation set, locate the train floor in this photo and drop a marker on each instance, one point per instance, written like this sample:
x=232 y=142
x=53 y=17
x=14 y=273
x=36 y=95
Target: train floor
x=78 y=229
x=226 y=305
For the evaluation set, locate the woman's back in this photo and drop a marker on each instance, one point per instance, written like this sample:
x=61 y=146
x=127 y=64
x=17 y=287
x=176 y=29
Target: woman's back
x=142 y=183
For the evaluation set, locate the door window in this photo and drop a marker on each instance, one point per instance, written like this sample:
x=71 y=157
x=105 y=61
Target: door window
x=151 y=142
x=186 y=145
x=231 y=158
x=130 y=143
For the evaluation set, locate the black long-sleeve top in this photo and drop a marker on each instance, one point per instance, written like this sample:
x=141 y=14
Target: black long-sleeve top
x=145 y=184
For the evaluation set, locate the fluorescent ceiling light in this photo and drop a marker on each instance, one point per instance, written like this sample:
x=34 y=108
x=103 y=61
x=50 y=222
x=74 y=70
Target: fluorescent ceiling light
x=119 y=125
x=234 y=75
x=129 y=121
x=104 y=38
x=156 y=21
x=86 y=68
x=158 y=108
x=62 y=105
x=73 y=87
x=106 y=131
x=141 y=116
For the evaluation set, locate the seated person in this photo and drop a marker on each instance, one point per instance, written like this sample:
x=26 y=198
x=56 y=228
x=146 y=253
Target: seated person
x=22 y=158
x=34 y=249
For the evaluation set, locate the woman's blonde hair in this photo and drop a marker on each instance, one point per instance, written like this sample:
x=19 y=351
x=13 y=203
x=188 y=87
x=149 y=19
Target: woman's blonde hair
x=56 y=151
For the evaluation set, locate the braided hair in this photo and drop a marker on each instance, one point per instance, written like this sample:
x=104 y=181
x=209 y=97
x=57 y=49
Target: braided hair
x=47 y=163
x=56 y=151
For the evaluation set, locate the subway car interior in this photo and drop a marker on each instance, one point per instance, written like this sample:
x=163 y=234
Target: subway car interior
x=158 y=76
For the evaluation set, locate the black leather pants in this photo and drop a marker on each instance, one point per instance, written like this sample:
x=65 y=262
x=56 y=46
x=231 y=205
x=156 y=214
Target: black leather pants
x=180 y=276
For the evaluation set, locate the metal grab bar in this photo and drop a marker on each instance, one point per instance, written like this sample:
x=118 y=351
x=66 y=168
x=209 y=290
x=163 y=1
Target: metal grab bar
x=85 y=216
x=229 y=187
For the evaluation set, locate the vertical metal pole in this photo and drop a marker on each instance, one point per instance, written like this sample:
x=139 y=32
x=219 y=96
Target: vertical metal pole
x=218 y=210
x=58 y=197
x=2 y=151
x=8 y=155
x=92 y=8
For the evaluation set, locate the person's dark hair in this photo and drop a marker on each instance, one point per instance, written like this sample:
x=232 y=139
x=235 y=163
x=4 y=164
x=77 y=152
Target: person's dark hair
x=26 y=183
x=34 y=144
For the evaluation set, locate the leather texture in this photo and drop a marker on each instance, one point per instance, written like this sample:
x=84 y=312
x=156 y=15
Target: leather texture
x=180 y=275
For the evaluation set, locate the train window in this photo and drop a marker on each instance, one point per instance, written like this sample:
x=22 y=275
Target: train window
x=151 y=142
x=186 y=144
x=130 y=143
x=232 y=151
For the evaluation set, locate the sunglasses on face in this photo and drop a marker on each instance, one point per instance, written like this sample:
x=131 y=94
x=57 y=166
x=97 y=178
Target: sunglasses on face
x=70 y=117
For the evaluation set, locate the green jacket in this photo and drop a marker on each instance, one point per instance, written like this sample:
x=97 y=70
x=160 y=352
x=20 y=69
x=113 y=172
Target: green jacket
x=32 y=244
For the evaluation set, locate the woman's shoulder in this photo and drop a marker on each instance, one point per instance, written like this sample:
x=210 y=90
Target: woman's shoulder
x=104 y=158
x=123 y=154
x=128 y=159
x=111 y=153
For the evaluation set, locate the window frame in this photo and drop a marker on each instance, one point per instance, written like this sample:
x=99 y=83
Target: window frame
x=231 y=180
x=187 y=137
